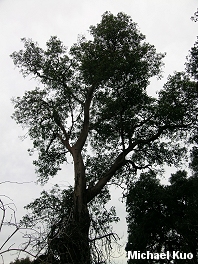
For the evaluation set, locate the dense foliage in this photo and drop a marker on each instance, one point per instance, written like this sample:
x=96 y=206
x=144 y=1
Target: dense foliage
x=163 y=218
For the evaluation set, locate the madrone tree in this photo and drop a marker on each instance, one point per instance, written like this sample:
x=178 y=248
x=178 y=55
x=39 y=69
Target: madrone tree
x=92 y=104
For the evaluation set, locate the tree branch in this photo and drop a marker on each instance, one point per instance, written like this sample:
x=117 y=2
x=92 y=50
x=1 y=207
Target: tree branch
x=2 y=207
x=121 y=161
x=85 y=129
x=137 y=167
x=107 y=235
x=118 y=163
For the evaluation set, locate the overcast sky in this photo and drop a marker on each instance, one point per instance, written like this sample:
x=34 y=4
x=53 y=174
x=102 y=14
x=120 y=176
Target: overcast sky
x=166 y=24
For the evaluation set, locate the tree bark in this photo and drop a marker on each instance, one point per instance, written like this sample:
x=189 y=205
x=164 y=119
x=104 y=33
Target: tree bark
x=71 y=242
x=81 y=219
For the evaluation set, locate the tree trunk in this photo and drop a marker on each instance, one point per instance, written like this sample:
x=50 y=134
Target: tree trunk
x=71 y=243
x=70 y=239
x=81 y=219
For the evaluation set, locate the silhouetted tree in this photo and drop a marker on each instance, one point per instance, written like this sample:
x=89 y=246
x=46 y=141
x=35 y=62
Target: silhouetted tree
x=94 y=98
x=163 y=218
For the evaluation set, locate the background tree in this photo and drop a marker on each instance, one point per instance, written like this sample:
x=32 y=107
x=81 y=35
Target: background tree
x=94 y=98
x=163 y=218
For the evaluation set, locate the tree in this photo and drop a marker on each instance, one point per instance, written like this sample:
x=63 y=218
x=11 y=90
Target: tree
x=93 y=105
x=163 y=218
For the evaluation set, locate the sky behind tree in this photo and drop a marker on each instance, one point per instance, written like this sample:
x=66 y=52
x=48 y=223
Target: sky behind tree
x=166 y=24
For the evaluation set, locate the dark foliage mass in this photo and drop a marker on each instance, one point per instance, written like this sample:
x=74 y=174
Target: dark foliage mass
x=22 y=261
x=163 y=218
x=92 y=105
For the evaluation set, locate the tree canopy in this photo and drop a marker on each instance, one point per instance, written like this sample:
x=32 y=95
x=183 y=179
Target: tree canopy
x=163 y=218
x=92 y=103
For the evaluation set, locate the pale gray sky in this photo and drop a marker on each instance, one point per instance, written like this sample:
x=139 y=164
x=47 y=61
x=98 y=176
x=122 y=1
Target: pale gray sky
x=166 y=24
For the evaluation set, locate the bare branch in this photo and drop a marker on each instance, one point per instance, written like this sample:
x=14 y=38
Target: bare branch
x=15 y=183
x=2 y=207
x=104 y=236
x=10 y=236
